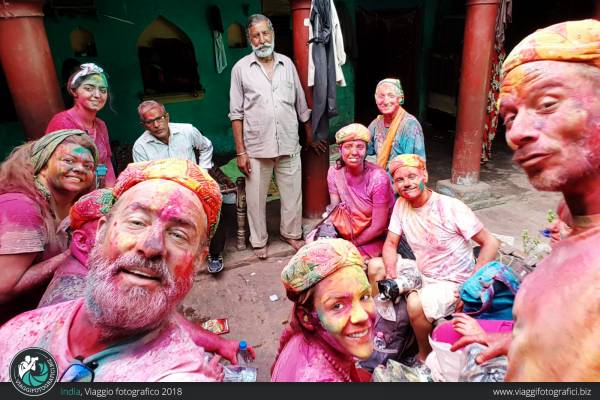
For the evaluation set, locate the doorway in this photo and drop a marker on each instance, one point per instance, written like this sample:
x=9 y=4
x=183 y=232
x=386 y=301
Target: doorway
x=388 y=46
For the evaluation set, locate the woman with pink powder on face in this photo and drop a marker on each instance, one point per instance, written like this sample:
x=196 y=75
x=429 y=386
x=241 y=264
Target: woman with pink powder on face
x=332 y=317
x=39 y=182
x=361 y=191
x=89 y=88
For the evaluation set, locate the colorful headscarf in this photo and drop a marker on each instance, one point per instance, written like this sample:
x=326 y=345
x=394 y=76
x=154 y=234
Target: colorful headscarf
x=407 y=160
x=183 y=172
x=91 y=207
x=573 y=41
x=44 y=147
x=353 y=132
x=85 y=70
x=315 y=261
x=394 y=82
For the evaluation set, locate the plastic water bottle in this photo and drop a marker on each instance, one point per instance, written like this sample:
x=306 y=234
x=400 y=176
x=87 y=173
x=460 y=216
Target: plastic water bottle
x=244 y=357
x=241 y=372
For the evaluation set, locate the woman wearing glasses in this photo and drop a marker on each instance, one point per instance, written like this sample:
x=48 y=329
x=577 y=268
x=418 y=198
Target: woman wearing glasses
x=394 y=131
x=89 y=88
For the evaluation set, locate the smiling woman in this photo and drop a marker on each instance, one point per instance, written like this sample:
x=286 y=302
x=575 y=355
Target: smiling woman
x=332 y=317
x=38 y=184
x=89 y=88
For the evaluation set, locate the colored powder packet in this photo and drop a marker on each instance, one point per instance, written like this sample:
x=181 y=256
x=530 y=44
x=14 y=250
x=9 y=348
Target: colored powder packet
x=218 y=326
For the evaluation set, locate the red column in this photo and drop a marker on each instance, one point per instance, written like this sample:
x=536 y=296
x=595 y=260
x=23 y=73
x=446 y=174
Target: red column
x=315 y=195
x=480 y=27
x=28 y=66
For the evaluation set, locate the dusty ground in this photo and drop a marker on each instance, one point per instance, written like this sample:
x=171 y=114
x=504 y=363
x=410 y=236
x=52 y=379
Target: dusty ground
x=241 y=292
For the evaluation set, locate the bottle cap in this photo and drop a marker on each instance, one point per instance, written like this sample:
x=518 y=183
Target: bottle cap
x=243 y=345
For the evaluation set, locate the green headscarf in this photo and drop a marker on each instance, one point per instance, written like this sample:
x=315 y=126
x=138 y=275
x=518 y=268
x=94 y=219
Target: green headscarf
x=44 y=147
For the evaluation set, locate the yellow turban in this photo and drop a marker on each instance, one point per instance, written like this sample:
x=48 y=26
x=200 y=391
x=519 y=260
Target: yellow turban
x=353 y=132
x=573 y=41
x=315 y=261
x=407 y=160
x=183 y=172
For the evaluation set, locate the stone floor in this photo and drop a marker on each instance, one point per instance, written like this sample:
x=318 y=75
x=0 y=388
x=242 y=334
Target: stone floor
x=242 y=291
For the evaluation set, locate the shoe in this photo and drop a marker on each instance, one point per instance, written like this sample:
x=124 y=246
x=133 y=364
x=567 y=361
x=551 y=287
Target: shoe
x=215 y=265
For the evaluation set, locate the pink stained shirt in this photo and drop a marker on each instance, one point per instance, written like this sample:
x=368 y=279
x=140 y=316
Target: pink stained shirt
x=68 y=282
x=439 y=233
x=374 y=190
x=165 y=354
x=68 y=120
x=304 y=360
x=22 y=230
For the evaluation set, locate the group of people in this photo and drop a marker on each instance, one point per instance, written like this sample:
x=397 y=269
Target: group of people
x=93 y=269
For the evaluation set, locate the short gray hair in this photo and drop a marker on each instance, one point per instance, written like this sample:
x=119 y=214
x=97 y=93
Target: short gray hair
x=148 y=104
x=256 y=19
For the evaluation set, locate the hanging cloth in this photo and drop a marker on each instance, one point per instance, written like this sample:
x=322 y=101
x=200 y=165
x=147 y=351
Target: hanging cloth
x=215 y=23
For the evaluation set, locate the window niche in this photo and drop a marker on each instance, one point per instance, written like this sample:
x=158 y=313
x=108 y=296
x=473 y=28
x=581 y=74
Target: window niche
x=168 y=62
x=236 y=37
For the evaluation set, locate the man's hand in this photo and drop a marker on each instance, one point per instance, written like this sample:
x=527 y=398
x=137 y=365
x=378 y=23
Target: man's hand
x=320 y=146
x=497 y=344
x=391 y=273
x=229 y=350
x=243 y=163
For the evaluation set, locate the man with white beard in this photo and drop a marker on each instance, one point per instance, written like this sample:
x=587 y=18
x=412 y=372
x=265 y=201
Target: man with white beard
x=147 y=250
x=266 y=101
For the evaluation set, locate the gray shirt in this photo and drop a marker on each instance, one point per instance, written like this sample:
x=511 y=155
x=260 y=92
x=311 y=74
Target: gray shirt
x=269 y=109
x=183 y=139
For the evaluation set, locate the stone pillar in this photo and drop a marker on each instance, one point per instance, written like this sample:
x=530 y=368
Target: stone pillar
x=480 y=24
x=315 y=195
x=28 y=66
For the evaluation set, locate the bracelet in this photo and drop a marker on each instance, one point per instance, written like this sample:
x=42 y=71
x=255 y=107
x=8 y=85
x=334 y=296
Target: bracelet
x=241 y=154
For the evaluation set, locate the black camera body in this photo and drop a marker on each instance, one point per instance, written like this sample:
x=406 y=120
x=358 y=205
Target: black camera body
x=392 y=289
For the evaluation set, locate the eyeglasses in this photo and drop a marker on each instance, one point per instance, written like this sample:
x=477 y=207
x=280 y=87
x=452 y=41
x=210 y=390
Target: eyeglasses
x=157 y=119
x=79 y=371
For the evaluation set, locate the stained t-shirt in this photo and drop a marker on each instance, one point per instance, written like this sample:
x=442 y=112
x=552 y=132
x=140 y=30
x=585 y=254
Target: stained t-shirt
x=68 y=282
x=439 y=233
x=165 y=354
x=22 y=230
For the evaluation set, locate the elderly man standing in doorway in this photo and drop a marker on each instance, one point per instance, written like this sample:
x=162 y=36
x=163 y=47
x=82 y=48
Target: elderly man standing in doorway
x=266 y=102
x=550 y=102
x=165 y=139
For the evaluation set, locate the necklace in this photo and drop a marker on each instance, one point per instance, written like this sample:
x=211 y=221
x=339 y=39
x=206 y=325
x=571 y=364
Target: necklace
x=343 y=372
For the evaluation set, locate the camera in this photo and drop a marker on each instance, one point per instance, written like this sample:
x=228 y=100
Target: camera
x=391 y=289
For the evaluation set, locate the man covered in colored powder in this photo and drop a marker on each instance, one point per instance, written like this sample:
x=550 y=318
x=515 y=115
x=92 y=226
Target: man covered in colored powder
x=550 y=102
x=266 y=101
x=438 y=228
x=68 y=282
x=148 y=248
x=165 y=139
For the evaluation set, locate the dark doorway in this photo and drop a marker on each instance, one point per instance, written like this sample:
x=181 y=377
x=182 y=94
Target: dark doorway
x=388 y=44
